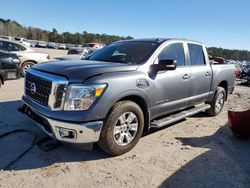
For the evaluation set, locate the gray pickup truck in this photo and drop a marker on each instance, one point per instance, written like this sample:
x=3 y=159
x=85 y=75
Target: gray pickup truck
x=124 y=89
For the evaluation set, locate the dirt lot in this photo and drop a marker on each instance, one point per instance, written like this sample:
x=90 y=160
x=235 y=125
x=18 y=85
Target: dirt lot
x=197 y=152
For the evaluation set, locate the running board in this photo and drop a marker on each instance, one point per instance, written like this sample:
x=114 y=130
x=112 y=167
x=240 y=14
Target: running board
x=176 y=117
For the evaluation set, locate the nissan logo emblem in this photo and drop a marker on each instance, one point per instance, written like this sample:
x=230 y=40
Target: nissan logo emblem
x=33 y=88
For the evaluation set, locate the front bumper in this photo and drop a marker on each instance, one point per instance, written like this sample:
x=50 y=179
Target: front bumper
x=78 y=133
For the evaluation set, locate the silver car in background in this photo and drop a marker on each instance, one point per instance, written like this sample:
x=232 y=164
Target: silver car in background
x=79 y=54
x=28 y=56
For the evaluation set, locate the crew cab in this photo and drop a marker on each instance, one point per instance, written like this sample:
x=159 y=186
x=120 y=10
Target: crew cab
x=124 y=89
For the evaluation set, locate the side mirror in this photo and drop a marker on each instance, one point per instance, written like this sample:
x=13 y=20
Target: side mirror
x=165 y=65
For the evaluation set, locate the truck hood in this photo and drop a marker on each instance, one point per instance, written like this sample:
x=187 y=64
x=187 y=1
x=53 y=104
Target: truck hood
x=78 y=71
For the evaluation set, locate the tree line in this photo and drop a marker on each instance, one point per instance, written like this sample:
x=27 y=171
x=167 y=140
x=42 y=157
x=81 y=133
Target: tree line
x=239 y=55
x=13 y=28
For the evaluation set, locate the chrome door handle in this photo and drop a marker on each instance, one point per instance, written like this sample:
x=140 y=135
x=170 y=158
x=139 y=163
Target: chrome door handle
x=185 y=77
x=207 y=74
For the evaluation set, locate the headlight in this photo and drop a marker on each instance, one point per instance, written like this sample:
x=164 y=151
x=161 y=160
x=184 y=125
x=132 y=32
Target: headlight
x=79 y=97
x=14 y=60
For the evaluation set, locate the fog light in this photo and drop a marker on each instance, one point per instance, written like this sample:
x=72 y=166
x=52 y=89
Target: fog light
x=67 y=133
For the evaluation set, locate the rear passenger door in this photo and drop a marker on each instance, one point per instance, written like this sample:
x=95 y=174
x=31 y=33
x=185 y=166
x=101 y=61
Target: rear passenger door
x=201 y=74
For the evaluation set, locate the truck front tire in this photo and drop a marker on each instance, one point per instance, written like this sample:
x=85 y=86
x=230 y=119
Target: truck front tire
x=218 y=102
x=122 y=128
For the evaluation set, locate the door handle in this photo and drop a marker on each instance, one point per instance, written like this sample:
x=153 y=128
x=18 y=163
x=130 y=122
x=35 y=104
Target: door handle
x=185 y=77
x=207 y=74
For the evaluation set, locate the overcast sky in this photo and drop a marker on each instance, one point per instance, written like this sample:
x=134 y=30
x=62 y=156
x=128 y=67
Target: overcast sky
x=221 y=23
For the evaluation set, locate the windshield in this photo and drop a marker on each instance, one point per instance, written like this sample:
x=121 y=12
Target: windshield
x=125 y=52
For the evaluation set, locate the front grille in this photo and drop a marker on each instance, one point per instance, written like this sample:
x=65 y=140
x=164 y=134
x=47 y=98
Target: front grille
x=37 y=88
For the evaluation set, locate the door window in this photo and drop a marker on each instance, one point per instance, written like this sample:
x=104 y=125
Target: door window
x=196 y=55
x=173 y=52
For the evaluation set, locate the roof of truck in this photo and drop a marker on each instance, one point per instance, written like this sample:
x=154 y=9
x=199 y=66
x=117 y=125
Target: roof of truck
x=159 y=40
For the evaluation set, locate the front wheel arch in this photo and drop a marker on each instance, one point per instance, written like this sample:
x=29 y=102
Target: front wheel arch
x=21 y=67
x=107 y=140
x=32 y=61
x=141 y=102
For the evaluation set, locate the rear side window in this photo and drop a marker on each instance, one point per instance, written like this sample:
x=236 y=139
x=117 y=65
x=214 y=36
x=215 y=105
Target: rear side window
x=173 y=52
x=21 y=48
x=196 y=55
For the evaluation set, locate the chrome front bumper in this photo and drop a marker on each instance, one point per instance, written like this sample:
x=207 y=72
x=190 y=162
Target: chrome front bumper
x=78 y=133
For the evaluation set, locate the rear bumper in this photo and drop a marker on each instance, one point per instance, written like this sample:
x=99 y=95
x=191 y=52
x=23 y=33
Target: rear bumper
x=76 y=132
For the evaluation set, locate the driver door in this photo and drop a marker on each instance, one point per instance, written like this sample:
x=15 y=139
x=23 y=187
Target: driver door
x=171 y=88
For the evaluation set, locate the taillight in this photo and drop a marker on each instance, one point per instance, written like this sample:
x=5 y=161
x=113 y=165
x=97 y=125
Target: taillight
x=236 y=73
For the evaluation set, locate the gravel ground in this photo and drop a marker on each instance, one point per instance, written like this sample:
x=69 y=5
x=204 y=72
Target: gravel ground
x=199 y=151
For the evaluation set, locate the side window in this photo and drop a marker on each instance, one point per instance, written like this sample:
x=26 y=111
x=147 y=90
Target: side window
x=196 y=55
x=173 y=52
x=21 y=48
x=12 y=47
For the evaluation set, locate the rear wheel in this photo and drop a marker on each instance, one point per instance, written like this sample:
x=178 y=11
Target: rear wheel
x=25 y=66
x=122 y=128
x=218 y=102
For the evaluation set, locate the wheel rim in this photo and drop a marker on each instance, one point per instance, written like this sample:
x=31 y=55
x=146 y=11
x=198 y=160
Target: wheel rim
x=125 y=129
x=219 y=102
x=26 y=67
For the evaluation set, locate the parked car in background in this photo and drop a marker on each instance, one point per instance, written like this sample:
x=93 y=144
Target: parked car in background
x=81 y=55
x=77 y=45
x=94 y=45
x=33 y=43
x=9 y=66
x=27 y=55
x=52 y=45
x=70 y=46
x=245 y=73
x=22 y=41
x=7 y=37
x=75 y=50
x=62 y=46
x=41 y=44
x=237 y=64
